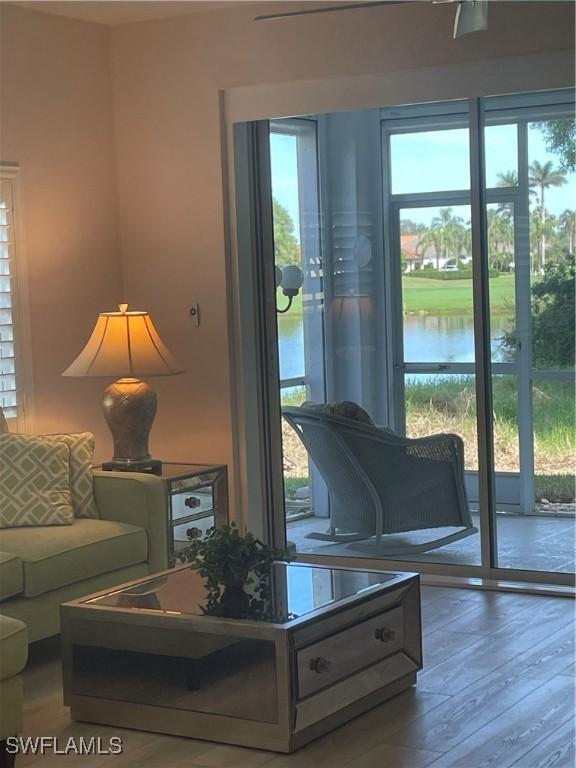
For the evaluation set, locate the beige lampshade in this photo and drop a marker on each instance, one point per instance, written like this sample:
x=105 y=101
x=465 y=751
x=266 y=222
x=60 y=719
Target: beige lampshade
x=124 y=344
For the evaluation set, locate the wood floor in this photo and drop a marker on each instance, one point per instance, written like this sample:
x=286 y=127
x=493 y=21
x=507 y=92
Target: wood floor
x=497 y=691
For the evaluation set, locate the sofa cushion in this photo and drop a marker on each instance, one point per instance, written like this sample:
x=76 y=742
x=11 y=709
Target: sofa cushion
x=13 y=647
x=81 y=445
x=11 y=705
x=11 y=577
x=34 y=482
x=3 y=423
x=57 y=556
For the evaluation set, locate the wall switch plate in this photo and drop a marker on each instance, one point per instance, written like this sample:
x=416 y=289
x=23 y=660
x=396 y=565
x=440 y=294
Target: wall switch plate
x=195 y=314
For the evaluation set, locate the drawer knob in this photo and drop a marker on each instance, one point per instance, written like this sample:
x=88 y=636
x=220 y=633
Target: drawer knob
x=192 y=502
x=384 y=634
x=319 y=665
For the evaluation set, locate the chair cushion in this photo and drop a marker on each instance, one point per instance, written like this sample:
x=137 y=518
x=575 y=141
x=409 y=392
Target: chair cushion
x=34 y=482
x=58 y=556
x=13 y=647
x=344 y=408
x=81 y=445
x=11 y=576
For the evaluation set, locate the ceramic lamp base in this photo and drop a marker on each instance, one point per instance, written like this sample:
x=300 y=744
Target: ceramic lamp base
x=129 y=408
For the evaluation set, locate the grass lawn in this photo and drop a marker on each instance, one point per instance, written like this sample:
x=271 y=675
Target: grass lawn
x=438 y=297
x=449 y=405
x=558 y=489
x=454 y=297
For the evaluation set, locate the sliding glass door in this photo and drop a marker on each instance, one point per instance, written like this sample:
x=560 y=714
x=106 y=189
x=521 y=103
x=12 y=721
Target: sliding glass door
x=531 y=188
x=424 y=263
x=533 y=423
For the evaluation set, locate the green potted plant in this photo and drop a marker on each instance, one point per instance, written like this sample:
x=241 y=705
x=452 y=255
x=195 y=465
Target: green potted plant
x=237 y=568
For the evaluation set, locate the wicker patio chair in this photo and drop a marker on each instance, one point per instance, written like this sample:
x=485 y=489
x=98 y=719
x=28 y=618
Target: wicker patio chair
x=380 y=483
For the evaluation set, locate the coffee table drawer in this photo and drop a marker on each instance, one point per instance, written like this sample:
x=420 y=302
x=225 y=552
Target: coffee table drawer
x=354 y=688
x=338 y=656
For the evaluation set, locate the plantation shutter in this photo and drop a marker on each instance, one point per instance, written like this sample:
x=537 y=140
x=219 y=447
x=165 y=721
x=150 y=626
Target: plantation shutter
x=8 y=374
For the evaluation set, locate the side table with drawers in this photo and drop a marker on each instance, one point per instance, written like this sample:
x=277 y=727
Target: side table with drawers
x=197 y=498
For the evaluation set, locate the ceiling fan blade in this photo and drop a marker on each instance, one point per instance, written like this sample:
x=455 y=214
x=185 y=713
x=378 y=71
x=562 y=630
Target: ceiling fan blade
x=332 y=9
x=471 y=16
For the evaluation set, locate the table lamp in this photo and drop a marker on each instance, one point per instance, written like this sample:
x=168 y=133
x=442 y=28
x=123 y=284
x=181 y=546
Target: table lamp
x=126 y=345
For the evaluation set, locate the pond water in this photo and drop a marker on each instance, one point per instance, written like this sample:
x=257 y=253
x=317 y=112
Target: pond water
x=427 y=338
x=450 y=338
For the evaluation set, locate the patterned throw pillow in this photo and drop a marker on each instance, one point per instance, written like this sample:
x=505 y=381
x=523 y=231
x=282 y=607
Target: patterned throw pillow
x=34 y=481
x=81 y=445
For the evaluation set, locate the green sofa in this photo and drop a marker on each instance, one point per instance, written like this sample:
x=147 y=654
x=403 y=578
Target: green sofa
x=13 y=656
x=42 y=567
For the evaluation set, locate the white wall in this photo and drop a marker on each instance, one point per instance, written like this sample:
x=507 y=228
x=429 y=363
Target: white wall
x=56 y=122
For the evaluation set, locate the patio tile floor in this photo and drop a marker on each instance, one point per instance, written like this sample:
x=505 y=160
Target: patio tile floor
x=543 y=543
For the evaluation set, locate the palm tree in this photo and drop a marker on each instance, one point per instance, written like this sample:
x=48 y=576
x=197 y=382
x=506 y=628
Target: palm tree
x=446 y=234
x=500 y=240
x=542 y=177
x=463 y=240
x=507 y=179
x=567 y=226
x=433 y=236
x=541 y=230
x=467 y=240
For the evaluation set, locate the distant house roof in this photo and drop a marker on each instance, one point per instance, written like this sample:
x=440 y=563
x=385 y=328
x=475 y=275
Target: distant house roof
x=409 y=245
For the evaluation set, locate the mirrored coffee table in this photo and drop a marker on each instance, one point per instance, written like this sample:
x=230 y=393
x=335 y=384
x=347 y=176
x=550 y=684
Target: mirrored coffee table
x=329 y=644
